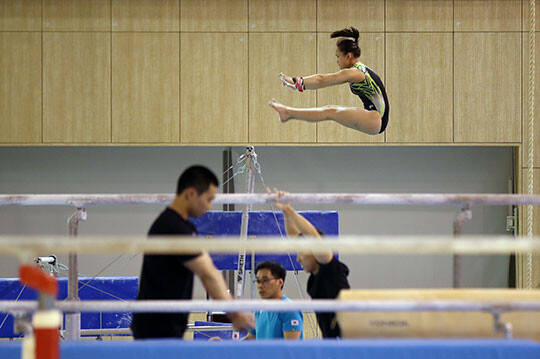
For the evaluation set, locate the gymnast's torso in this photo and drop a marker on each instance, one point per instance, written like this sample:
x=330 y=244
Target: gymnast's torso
x=372 y=93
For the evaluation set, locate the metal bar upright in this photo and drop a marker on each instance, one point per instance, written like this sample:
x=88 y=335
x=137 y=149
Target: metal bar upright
x=228 y=187
x=240 y=275
x=73 y=319
x=464 y=214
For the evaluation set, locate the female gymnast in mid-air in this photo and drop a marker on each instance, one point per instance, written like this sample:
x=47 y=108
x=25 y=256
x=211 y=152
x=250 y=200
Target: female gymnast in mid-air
x=366 y=84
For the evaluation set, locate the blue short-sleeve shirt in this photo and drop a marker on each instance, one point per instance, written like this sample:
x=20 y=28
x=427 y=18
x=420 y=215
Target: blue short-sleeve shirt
x=271 y=325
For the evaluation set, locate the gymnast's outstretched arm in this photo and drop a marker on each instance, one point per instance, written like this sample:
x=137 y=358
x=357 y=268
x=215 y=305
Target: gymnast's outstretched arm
x=318 y=81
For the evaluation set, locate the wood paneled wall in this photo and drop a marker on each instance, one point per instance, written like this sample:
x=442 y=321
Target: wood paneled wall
x=522 y=259
x=203 y=71
x=195 y=72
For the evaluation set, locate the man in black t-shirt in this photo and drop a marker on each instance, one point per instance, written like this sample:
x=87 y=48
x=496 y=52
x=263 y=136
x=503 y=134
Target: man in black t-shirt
x=327 y=274
x=171 y=276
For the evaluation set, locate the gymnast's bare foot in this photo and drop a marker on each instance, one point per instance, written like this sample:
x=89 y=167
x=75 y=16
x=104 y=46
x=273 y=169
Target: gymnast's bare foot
x=281 y=110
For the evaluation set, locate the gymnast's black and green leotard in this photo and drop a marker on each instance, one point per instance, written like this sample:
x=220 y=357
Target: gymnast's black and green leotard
x=372 y=93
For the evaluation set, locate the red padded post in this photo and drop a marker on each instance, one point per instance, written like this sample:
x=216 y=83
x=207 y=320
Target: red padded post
x=37 y=279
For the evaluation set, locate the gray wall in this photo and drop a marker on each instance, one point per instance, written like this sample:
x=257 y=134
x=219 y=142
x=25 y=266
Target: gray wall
x=294 y=169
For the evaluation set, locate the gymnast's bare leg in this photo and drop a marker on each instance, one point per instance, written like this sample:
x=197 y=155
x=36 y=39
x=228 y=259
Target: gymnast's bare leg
x=352 y=117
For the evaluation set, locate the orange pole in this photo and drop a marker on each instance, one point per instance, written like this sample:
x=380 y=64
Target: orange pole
x=47 y=320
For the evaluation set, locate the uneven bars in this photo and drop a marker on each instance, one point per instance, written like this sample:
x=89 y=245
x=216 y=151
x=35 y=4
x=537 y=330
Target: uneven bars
x=432 y=199
x=25 y=247
x=317 y=305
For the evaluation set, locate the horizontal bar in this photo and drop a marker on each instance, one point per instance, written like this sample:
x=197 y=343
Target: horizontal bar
x=319 y=305
x=29 y=247
x=432 y=199
x=120 y=331
x=82 y=200
x=106 y=331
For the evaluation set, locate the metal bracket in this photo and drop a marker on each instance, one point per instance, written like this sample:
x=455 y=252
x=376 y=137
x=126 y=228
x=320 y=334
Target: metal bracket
x=48 y=264
x=74 y=219
x=511 y=221
x=501 y=327
x=22 y=323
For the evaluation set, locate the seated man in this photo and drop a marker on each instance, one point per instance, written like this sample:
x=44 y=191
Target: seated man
x=271 y=325
x=328 y=274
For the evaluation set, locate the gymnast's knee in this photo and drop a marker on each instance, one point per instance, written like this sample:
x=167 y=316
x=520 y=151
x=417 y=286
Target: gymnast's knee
x=330 y=111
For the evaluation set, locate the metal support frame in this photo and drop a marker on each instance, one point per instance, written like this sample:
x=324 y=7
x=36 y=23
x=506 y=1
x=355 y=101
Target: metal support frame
x=228 y=177
x=464 y=214
x=73 y=319
x=250 y=182
x=495 y=309
x=126 y=331
x=228 y=187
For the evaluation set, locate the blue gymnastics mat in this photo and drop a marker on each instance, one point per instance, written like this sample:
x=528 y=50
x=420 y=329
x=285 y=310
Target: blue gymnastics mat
x=261 y=223
x=100 y=288
x=340 y=349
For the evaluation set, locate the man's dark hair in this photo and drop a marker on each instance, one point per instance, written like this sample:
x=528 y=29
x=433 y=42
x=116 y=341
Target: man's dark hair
x=198 y=177
x=275 y=268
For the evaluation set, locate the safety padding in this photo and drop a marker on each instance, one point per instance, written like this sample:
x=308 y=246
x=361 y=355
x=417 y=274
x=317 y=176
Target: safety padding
x=261 y=223
x=438 y=324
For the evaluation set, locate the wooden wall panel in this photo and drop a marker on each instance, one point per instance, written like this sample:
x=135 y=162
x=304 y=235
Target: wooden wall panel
x=270 y=54
x=76 y=87
x=214 y=91
x=372 y=46
x=20 y=15
x=145 y=87
x=76 y=15
x=282 y=15
x=419 y=15
x=420 y=87
x=365 y=15
x=525 y=101
x=20 y=87
x=490 y=93
x=526 y=15
x=214 y=15
x=145 y=15
x=487 y=15
x=522 y=264
x=487 y=91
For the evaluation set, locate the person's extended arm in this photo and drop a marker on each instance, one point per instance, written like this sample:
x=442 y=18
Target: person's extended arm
x=213 y=282
x=318 y=81
x=303 y=225
x=306 y=228
x=290 y=226
x=295 y=335
x=296 y=224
